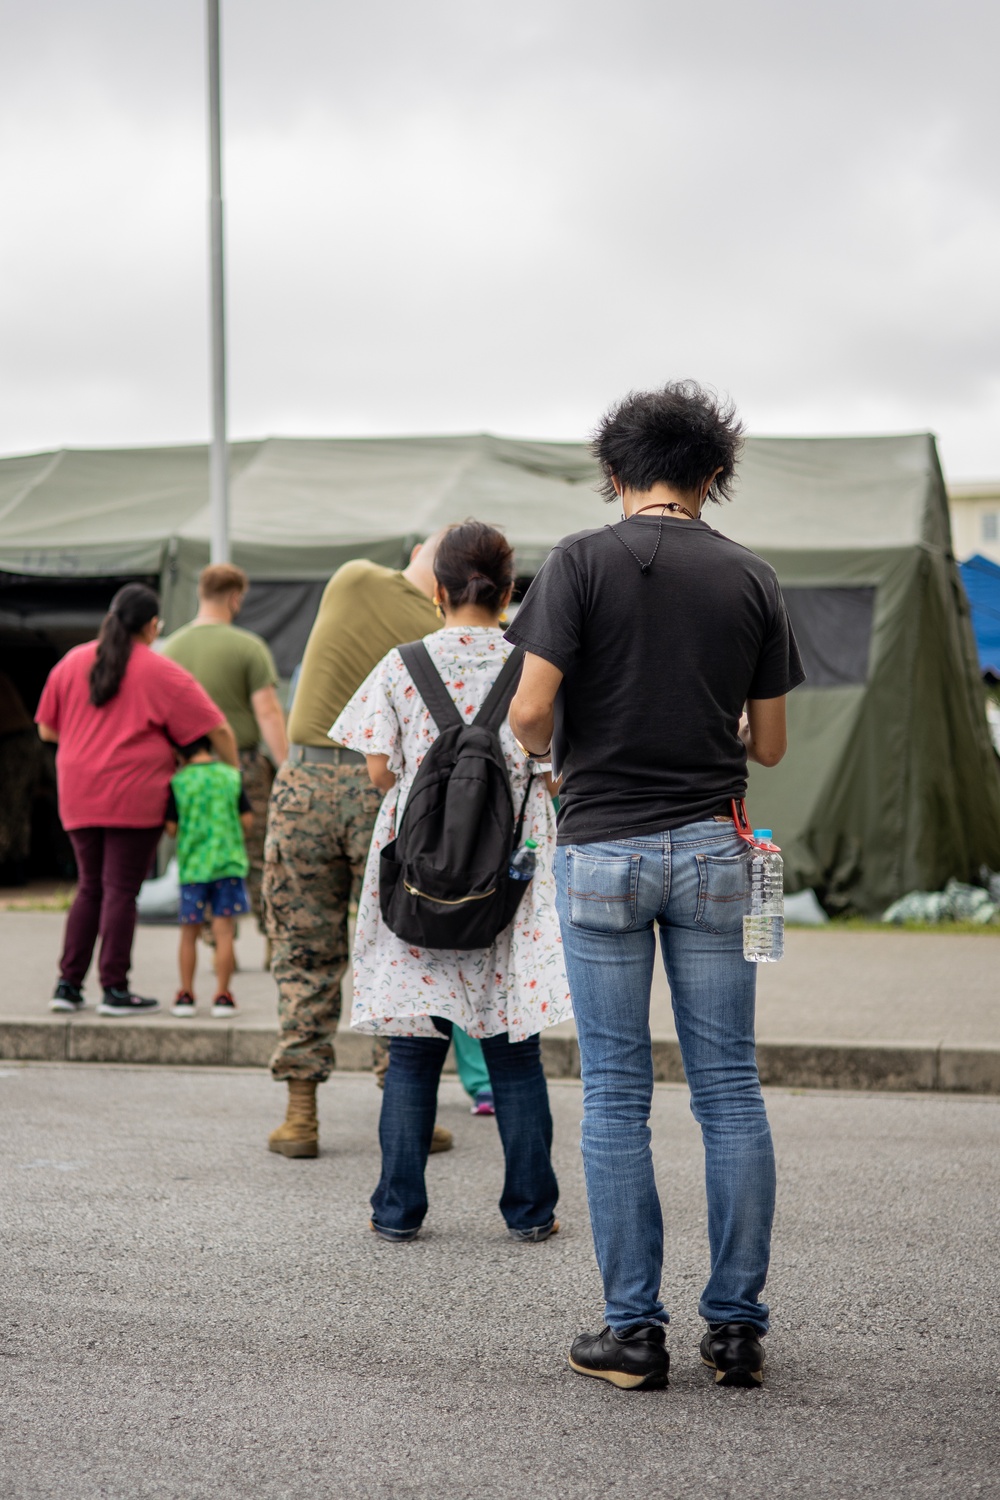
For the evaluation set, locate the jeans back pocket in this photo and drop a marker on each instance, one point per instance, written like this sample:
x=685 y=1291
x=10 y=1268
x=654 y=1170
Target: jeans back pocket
x=601 y=890
x=723 y=891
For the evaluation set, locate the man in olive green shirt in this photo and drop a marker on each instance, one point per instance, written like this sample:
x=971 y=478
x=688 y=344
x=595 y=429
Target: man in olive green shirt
x=236 y=669
x=320 y=821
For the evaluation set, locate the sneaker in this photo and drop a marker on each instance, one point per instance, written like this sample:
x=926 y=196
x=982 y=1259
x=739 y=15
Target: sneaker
x=394 y=1236
x=534 y=1236
x=124 y=1003
x=223 y=1005
x=184 y=1004
x=482 y=1104
x=734 y=1351
x=635 y=1360
x=67 y=996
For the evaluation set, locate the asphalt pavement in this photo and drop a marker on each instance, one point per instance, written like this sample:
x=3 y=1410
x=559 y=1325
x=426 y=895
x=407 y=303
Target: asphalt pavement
x=187 y=1315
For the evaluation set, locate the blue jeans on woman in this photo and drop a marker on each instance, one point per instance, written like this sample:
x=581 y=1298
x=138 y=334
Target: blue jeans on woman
x=694 y=882
x=409 y=1105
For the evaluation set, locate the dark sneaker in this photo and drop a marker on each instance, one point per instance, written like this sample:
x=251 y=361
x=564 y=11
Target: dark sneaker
x=483 y=1103
x=124 y=1003
x=734 y=1351
x=632 y=1361
x=394 y=1236
x=534 y=1236
x=223 y=1005
x=184 y=1005
x=67 y=996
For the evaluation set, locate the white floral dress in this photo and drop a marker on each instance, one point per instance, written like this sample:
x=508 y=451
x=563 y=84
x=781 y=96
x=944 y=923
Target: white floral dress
x=519 y=985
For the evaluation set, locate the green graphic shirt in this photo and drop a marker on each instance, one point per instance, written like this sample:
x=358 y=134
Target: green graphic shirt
x=205 y=802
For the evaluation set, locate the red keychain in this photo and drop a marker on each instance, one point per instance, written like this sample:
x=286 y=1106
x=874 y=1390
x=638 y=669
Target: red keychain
x=745 y=832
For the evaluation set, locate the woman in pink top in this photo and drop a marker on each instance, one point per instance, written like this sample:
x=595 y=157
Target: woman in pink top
x=116 y=710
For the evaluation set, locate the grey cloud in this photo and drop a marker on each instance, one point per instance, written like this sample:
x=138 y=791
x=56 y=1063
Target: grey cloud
x=454 y=216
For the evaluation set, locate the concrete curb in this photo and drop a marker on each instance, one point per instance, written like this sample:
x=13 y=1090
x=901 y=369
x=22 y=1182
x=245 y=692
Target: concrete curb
x=909 y=1067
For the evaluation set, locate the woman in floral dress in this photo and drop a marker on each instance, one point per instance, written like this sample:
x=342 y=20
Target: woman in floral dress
x=504 y=995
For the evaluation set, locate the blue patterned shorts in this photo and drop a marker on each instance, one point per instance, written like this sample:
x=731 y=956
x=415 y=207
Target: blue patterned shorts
x=213 y=898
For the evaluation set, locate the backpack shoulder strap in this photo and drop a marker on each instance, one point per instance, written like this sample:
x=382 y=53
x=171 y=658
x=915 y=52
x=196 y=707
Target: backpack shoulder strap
x=417 y=660
x=494 y=710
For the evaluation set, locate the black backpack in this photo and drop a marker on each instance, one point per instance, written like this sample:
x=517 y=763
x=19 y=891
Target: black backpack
x=443 y=881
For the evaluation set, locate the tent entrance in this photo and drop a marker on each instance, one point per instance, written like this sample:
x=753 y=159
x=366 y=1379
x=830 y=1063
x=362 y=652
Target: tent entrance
x=40 y=620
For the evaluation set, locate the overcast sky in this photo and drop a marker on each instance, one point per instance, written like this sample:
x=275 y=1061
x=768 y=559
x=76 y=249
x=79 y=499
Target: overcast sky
x=459 y=215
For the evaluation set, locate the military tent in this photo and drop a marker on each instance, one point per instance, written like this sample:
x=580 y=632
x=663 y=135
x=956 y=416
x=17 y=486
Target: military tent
x=890 y=782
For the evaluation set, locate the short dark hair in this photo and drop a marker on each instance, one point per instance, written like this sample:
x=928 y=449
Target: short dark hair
x=201 y=743
x=677 y=436
x=474 y=564
x=220 y=579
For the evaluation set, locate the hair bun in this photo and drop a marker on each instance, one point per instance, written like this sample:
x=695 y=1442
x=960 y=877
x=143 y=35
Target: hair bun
x=474 y=564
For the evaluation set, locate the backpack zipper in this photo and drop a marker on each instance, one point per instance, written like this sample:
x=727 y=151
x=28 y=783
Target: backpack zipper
x=411 y=890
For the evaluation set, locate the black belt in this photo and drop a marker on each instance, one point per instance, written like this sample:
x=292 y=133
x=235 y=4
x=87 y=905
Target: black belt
x=323 y=755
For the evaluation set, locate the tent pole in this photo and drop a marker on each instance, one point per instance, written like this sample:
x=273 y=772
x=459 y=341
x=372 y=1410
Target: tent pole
x=219 y=460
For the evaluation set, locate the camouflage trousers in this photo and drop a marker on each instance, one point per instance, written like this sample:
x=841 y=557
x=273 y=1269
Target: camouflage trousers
x=319 y=827
x=258 y=774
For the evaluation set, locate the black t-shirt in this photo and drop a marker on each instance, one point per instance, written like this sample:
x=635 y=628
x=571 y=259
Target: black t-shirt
x=657 y=668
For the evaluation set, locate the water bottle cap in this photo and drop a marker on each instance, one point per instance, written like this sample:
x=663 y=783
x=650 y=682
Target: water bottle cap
x=764 y=834
x=530 y=844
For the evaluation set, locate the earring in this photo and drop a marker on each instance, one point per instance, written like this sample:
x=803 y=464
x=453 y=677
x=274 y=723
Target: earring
x=438 y=610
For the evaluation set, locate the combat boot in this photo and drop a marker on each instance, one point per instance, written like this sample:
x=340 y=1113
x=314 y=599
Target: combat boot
x=299 y=1135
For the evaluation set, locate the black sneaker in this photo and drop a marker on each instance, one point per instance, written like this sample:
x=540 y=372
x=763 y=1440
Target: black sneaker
x=634 y=1360
x=124 y=1003
x=67 y=996
x=534 y=1236
x=734 y=1351
x=184 y=1005
x=223 y=1005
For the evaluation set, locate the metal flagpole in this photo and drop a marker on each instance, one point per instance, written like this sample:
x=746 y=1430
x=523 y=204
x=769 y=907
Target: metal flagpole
x=219 y=460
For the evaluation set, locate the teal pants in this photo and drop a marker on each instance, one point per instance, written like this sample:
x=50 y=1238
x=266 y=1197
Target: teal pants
x=471 y=1064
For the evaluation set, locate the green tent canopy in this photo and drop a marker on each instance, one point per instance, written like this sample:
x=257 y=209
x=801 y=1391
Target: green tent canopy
x=890 y=782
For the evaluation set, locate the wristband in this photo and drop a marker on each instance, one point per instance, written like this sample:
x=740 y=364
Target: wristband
x=532 y=754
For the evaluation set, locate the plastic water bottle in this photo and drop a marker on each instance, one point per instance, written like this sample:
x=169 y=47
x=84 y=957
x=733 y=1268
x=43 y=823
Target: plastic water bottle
x=764 y=928
x=522 y=865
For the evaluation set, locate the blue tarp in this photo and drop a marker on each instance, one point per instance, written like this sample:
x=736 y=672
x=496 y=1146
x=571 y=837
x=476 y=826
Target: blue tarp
x=982 y=584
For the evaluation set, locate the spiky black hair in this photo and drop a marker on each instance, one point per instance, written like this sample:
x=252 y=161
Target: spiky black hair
x=677 y=435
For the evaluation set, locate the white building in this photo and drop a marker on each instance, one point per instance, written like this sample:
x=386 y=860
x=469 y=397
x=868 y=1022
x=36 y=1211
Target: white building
x=975 y=519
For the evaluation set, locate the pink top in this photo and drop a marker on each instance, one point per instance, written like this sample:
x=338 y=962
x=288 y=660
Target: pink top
x=114 y=763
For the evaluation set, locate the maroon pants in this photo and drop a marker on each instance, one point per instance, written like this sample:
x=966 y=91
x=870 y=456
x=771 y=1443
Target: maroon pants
x=112 y=864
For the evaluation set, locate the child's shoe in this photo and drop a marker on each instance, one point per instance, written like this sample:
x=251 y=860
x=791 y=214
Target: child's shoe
x=223 y=1005
x=482 y=1104
x=183 y=1005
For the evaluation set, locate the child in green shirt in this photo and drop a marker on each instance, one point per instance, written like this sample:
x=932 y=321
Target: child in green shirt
x=208 y=813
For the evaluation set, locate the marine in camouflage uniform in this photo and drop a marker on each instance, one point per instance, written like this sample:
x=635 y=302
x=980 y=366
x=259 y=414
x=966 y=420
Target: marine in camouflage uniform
x=320 y=821
x=319 y=829
x=258 y=776
x=238 y=672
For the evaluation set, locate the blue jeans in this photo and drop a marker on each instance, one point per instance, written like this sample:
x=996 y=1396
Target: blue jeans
x=409 y=1104
x=694 y=882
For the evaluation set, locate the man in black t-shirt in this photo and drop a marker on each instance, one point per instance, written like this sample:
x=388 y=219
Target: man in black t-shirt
x=658 y=659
